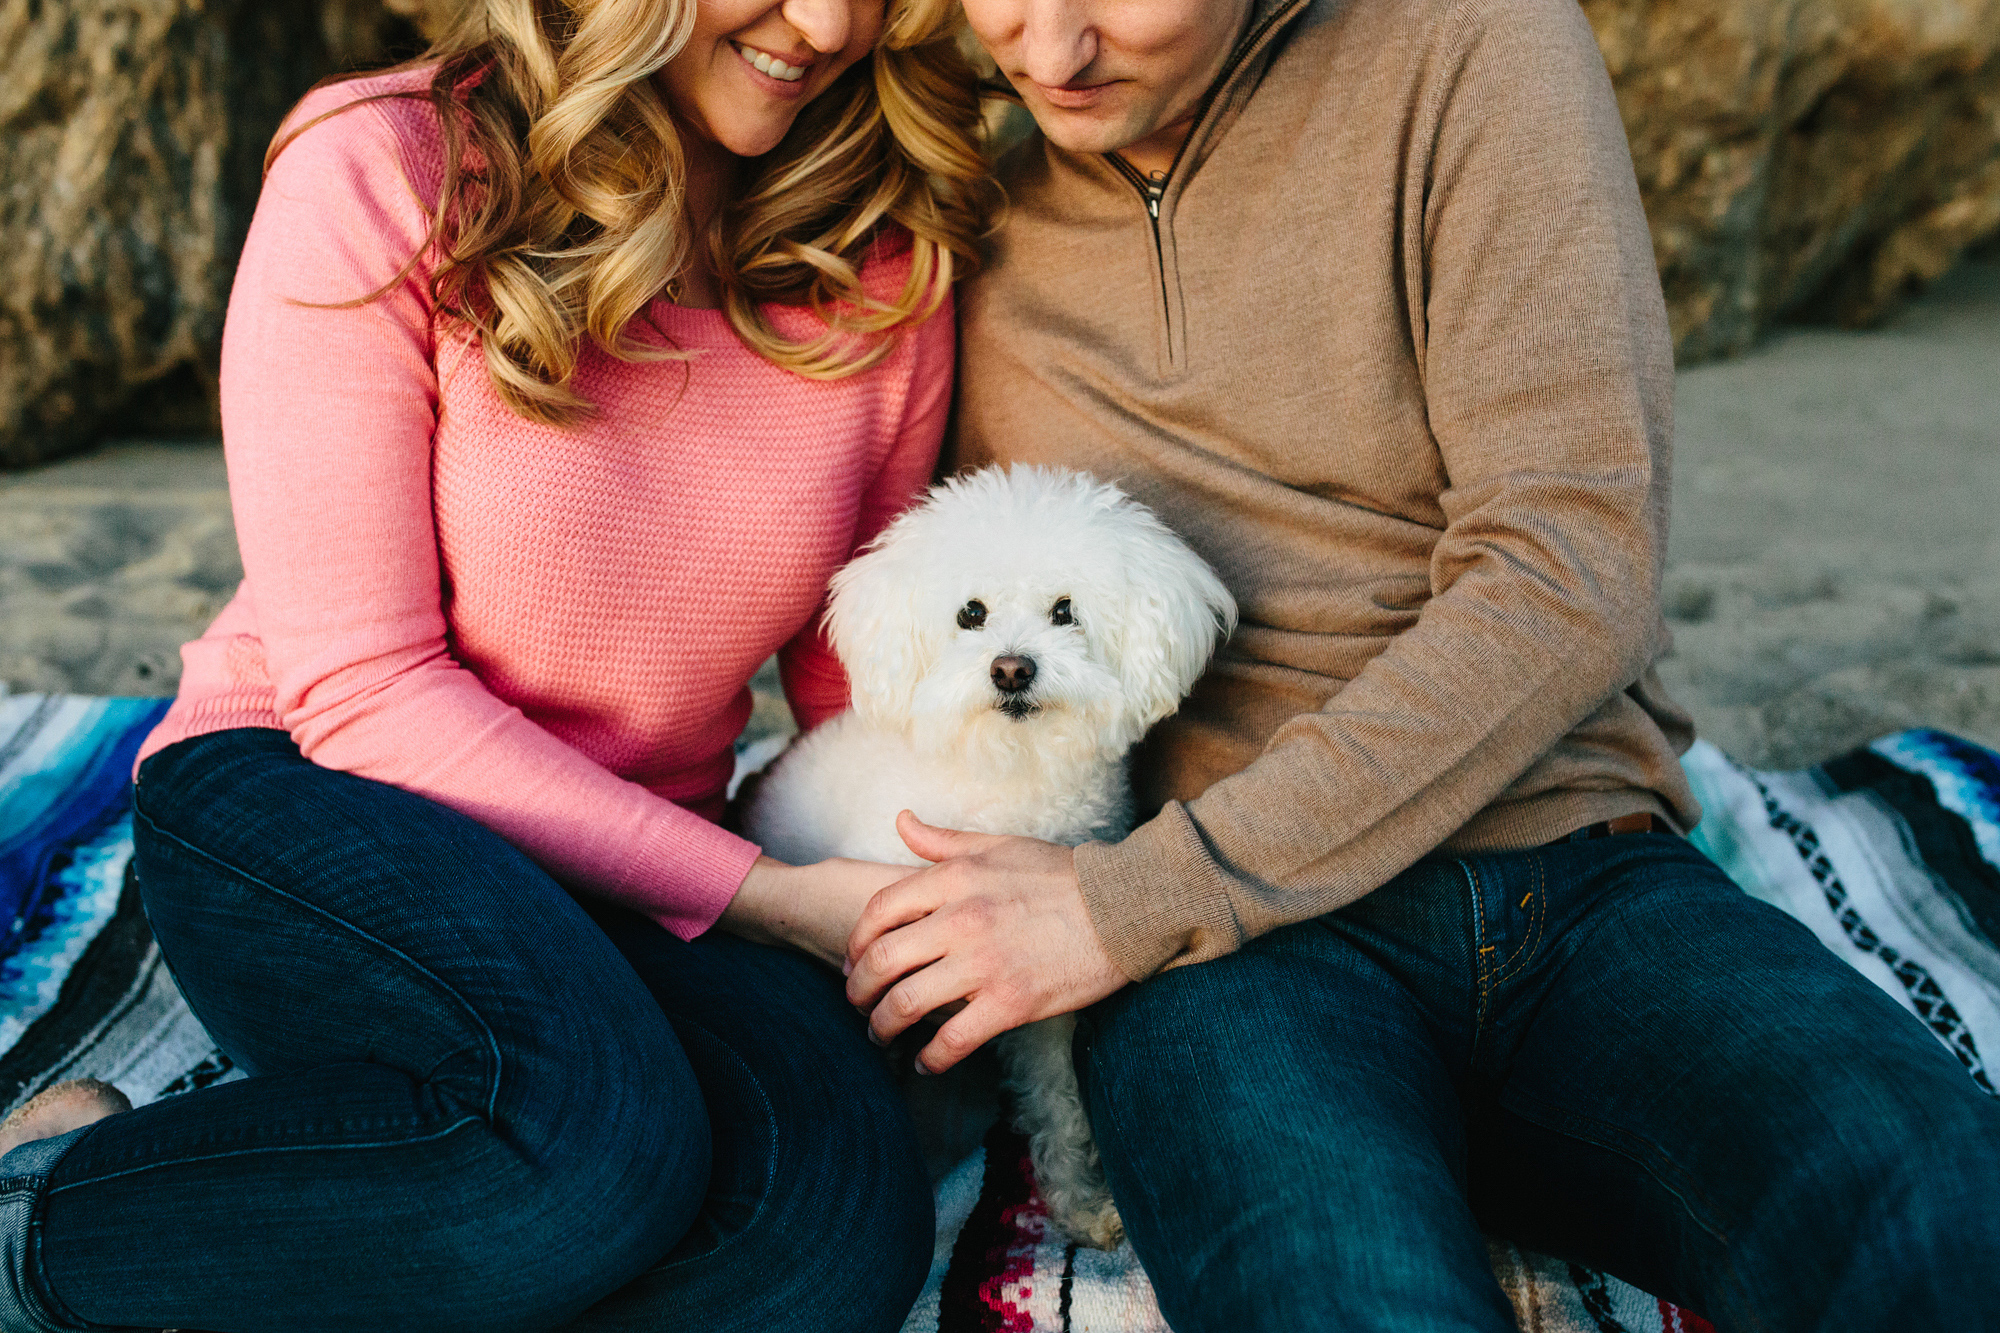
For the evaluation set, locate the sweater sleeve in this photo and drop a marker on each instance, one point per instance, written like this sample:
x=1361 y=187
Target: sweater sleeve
x=815 y=684
x=328 y=416
x=1540 y=333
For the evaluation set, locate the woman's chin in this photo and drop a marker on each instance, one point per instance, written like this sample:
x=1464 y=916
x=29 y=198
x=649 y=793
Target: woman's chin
x=752 y=136
x=739 y=132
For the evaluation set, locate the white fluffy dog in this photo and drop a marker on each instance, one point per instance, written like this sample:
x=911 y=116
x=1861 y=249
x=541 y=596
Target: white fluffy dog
x=1007 y=642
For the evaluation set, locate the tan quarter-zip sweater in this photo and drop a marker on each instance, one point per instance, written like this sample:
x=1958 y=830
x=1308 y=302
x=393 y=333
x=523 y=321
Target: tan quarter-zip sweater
x=1392 y=356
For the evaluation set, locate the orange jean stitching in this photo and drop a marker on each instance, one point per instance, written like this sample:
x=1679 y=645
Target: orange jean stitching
x=1525 y=954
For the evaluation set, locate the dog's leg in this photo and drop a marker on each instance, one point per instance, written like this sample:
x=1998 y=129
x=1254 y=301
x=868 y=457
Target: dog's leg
x=1048 y=1108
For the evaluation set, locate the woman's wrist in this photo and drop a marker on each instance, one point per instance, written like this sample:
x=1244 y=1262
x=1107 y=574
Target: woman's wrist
x=811 y=908
x=756 y=912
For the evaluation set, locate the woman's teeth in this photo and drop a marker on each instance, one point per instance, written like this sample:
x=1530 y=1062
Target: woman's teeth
x=763 y=64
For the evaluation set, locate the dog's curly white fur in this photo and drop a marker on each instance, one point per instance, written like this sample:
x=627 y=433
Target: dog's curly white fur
x=1007 y=641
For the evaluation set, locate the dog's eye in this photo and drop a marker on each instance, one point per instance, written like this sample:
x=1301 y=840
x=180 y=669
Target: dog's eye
x=972 y=615
x=1059 y=614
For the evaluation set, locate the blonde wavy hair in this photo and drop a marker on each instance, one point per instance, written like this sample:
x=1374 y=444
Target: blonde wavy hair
x=561 y=214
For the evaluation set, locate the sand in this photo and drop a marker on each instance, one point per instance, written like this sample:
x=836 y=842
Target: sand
x=1834 y=568
x=1834 y=572
x=108 y=563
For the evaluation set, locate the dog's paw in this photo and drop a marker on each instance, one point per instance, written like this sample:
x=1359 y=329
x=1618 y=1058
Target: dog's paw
x=1092 y=1222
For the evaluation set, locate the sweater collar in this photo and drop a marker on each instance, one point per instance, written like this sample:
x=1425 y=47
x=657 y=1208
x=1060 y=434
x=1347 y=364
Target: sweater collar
x=1267 y=15
x=1245 y=66
x=1239 y=78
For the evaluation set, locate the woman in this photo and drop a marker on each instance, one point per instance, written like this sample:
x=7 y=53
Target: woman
x=562 y=368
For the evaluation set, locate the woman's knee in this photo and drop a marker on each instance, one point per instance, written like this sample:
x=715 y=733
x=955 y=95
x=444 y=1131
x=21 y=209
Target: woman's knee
x=391 y=930
x=511 y=1012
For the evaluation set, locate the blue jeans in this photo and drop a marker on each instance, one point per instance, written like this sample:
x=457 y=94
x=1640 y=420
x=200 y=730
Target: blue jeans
x=473 y=1103
x=1602 y=1050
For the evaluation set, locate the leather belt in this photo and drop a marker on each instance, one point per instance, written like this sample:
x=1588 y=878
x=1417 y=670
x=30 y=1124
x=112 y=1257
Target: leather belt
x=1639 y=822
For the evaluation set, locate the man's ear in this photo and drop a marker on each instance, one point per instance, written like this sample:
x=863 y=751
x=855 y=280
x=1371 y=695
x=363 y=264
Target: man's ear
x=875 y=625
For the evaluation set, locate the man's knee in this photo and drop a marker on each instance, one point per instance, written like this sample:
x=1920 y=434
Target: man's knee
x=1216 y=1004
x=1315 y=1265
x=1890 y=1199
x=1251 y=1028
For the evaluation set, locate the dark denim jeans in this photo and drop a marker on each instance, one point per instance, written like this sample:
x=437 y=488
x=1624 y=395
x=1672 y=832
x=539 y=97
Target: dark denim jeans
x=1602 y=1050
x=473 y=1104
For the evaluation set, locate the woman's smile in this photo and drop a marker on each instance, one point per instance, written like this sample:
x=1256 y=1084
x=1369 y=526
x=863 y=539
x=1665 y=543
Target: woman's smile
x=749 y=65
x=766 y=63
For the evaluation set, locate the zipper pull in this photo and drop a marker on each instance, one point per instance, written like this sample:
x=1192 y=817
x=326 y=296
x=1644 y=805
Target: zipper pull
x=1155 y=187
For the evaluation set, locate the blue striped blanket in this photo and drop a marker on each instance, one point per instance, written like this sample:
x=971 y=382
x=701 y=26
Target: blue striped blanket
x=1891 y=854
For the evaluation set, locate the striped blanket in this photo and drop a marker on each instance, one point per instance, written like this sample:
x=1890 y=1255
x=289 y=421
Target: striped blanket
x=83 y=990
x=1890 y=854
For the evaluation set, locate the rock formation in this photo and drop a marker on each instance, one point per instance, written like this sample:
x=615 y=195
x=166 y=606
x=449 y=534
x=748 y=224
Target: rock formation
x=1817 y=157
x=132 y=135
x=362 y=33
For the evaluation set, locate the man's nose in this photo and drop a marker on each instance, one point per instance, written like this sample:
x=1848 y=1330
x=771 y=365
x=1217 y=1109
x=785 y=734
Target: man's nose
x=826 y=25
x=1013 y=674
x=1058 y=41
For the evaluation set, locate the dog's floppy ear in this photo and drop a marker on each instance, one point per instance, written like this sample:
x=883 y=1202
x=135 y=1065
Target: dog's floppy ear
x=876 y=625
x=1178 y=613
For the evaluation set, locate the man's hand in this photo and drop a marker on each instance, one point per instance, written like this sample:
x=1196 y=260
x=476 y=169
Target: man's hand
x=998 y=922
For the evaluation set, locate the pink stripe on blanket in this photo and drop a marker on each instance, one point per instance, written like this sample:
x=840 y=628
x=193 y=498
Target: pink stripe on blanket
x=1673 y=1319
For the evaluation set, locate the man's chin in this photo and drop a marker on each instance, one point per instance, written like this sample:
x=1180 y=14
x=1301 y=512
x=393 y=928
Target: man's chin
x=1091 y=130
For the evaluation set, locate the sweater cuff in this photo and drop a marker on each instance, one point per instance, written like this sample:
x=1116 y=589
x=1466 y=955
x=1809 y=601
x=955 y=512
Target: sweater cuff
x=687 y=872
x=1158 y=898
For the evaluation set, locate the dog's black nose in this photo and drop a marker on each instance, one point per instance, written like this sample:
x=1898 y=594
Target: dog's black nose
x=1013 y=674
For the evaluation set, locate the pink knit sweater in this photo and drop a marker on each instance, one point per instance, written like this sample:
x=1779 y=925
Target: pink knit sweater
x=547 y=630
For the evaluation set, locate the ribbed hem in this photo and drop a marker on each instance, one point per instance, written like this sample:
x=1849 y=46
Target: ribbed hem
x=1158 y=896
x=189 y=718
x=687 y=873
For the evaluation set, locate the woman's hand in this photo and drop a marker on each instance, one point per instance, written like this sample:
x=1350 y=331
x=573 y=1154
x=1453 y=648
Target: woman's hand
x=812 y=908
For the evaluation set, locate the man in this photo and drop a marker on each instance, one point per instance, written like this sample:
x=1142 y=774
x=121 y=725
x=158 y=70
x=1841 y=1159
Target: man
x=1358 y=295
